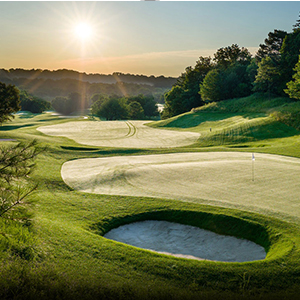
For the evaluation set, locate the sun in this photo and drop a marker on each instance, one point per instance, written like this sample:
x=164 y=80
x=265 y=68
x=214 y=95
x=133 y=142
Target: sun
x=83 y=31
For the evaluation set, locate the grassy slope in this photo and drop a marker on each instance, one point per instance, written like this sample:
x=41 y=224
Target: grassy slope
x=69 y=259
x=253 y=123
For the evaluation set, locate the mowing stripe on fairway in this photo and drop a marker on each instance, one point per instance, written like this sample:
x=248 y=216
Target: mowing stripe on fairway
x=133 y=134
x=225 y=177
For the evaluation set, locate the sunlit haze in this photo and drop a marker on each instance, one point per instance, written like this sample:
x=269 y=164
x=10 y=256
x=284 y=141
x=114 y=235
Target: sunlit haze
x=83 y=31
x=139 y=37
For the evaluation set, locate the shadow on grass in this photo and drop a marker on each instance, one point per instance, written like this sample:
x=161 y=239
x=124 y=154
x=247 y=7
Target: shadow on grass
x=105 y=151
x=28 y=115
x=13 y=127
x=197 y=118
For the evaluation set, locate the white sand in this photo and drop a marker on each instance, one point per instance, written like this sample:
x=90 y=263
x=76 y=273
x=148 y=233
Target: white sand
x=127 y=134
x=186 y=241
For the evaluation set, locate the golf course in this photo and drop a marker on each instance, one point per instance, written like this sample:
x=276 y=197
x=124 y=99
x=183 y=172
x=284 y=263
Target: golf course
x=234 y=174
x=150 y=150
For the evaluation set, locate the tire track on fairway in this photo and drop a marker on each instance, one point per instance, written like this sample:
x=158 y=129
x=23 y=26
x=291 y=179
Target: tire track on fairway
x=132 y=129
x=125 y=134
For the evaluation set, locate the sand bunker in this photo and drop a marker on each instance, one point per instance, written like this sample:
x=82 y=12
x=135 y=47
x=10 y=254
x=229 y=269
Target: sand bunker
x=217 y=177
x=133 y=134
x=186 y=241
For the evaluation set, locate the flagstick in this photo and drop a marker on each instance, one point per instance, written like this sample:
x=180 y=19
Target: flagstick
x=253 y=159
x=252 y=170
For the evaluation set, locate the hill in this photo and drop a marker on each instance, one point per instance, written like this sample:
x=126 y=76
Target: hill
x=159 y=81
x=242 y=120
x=50 y=84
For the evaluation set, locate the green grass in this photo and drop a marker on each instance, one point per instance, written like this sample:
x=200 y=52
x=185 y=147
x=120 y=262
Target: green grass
x=243 y=122
x=69 y=259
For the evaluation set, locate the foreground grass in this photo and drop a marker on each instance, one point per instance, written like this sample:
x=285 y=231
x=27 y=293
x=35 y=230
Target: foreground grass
x=70 y=259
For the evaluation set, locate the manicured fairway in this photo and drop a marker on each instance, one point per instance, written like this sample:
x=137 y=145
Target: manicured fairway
x=128 y=134
x=221 y=178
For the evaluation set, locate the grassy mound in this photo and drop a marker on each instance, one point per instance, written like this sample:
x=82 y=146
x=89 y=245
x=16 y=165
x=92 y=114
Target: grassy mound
x=251 y=119
x=217 y=177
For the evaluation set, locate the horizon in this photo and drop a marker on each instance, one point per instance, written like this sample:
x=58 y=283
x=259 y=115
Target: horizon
x=158 y=38
x=86 y=73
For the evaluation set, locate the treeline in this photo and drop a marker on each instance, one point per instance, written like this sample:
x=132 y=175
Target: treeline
x=122 y=108
x=134 y=107
x=233 y=73
x=33 y=104
x=160 y=81
x=50 y=88
x=48 y=84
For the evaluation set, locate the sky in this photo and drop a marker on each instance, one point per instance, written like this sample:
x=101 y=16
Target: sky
x=137 y=37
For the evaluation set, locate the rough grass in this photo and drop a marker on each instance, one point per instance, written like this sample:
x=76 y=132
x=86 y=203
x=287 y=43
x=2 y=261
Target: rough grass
x=72 y=260
x=236 y=121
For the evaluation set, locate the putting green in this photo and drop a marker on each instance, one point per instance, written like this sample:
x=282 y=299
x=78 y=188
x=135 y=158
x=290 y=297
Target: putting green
x=127 y=134
x=222 y=178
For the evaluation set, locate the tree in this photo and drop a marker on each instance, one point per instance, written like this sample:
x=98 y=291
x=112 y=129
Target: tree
x=97 y=102
x=230 y=76
x=147 y=102
x=39 y=105
x=272 y=46
x=33 y=104
x=174 y=102
x=77 y=102
x=68 y=105
x=184 y=95
x=16 y=164
x=297 y=25
x=113 y=109
x=266 y=78
x=135 y=111
x=9 y=101
x=150 y=108
x=210 y=88
x=225 y=56
x=289 y=55
x=59 y=104
x=293 y=87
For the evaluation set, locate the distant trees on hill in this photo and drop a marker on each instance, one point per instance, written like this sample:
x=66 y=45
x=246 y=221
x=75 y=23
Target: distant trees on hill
x=33 y=104
x=74 y=102
x=48 y=89
x=47 y=84
x=121 y=108
x=160 y=81
x=234 y=73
